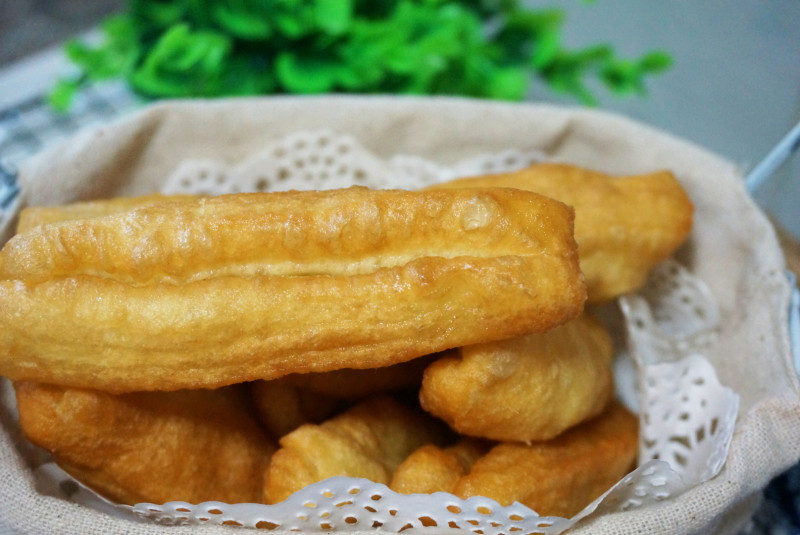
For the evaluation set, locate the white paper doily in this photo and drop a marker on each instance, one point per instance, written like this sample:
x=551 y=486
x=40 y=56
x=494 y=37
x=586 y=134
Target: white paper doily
x=687 y=416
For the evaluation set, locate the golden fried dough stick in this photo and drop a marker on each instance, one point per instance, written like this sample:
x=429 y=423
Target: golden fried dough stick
x=558 y=477
x=151 y=447
x=33 y=216
x=526 y=388
x=283 y=407
x=432 y=468
x=338 y=232
x=242 y=287
x=295 y=399
x=624 y=226
x=369 y=441
x=348 y=383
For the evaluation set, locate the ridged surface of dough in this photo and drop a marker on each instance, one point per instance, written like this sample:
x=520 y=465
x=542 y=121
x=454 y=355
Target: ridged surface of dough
x=624 y=226
x=210 y=292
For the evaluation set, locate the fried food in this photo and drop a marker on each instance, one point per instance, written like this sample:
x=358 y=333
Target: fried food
x=558 y=477
x=241 y=287
x=152 y=447
x=367 y=441
x=33 y=216
x=348 y=383
x=295 y=399
x=283 y=407
x=526 y=388
x=433 y=468
x=624 y=226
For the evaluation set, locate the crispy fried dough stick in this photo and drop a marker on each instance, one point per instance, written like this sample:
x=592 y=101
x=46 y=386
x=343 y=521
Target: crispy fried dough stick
x=254 y=286
x=369 y=440
x=558 y=477
x=283 y=407
x=624 y=226
x=526 y=388
x=348 y=383
x=151 y=447
x=433 y=468
x=33 y=216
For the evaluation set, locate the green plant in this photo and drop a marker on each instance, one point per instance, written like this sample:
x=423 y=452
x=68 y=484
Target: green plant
x=477 y=48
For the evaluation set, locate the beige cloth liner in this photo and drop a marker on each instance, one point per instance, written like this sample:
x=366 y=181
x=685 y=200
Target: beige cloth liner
x=733 y=248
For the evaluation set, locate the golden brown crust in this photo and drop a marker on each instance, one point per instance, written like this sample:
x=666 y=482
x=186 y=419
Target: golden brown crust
x=283 y=407
x=349 y=383
x=527 y=388
x=369 y=440
x=151 y=447
x=433 y=468
x=453 y=268
x=336 y=232
x=558 y=477
x=34 y=216
x=624 y=226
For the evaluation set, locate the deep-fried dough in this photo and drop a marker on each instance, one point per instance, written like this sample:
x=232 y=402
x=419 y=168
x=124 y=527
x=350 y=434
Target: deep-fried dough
x=254 y=286
x=283 y=407
x=558 y=477
x=348 y=383
x=433 y=468
x=369 y=440
x=624 y=226
x=531 y=387
x=33 y=216
x=151 y=447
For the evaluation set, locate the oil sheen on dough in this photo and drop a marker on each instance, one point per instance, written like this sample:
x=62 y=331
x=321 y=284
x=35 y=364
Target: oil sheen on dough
x=214 y=291
x=624 y=225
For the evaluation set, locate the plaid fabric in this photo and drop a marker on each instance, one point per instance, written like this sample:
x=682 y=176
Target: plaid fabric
x=31 y=125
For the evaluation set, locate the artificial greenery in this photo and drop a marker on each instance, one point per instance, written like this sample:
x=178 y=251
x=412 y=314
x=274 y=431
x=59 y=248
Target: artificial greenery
x=477 y=48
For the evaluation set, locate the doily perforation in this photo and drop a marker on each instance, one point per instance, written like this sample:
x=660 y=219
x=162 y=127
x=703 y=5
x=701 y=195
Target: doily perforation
x=344 y=503
x=326 y=160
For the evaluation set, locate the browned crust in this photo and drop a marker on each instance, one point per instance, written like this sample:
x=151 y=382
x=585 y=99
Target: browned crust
x=120 y=303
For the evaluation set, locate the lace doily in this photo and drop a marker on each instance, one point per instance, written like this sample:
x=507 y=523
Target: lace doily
x=324 y=160
x=687 y=416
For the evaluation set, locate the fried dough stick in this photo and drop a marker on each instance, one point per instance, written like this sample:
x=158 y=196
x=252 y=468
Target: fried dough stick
x=33 y=216
x=526 y=388
x=624 y=226
x=241 y=287
x=295 y=399
x=152 y=447
x=349 y=383
x=283 y=407
x=558 y=477
x=433 y=468
x=369 y=441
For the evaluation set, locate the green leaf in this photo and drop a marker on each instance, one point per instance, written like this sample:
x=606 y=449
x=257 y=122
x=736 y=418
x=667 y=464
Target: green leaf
x=114 y=59
x=622 y=77
x=546 y=49
x=654 y=62
x=305 y=75
x=509 y=83
x=295 y=19
x=62 y=95
x=333 y=16
x=158 y=13
x=243 y=24
x=480 y=48
x=183 y=63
